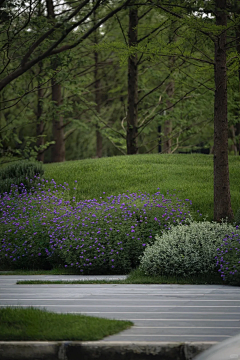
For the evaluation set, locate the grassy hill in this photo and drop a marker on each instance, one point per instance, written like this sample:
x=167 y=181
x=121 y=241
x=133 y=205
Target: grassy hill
x=189 y=176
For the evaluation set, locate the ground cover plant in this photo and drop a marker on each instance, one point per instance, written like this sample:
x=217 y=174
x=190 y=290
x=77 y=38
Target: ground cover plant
x=228 y=258
x=186 y=250
x=43 y=228
x=32 y=324
x=19 y=173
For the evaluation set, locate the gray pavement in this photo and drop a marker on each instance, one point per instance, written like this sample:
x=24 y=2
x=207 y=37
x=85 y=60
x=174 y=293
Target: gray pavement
x=160 y=313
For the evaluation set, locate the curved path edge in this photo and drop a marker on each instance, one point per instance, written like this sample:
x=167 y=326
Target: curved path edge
x=94 y=350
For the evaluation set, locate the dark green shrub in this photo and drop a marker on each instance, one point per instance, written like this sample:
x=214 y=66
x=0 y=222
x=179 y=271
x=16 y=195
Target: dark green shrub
x=21 y=173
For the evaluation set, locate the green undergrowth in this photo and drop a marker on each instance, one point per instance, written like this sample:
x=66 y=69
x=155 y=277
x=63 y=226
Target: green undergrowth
x=32 y=324
x=137 y=277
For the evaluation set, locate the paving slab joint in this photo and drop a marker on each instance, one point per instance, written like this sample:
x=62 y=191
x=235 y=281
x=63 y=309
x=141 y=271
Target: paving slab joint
x=62 y=350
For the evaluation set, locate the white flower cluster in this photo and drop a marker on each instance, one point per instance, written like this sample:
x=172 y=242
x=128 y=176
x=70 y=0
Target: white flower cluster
x=185 y=250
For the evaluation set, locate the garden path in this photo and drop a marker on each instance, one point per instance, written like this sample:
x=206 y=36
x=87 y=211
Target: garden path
x=159 y=312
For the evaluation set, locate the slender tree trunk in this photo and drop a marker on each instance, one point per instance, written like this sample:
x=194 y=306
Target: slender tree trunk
x=222 y=199
x=167 y=127
x=132 y=113
x=58 y=149
x=97 y=93
x=233 y=138
x=40 y=123
x=237 y=126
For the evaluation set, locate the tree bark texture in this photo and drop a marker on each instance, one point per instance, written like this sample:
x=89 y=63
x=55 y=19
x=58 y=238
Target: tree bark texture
x=222 y=199
x=132 y=112
x=97 y=100
x=97 y=92
x=58 y=149
x=167 y=127
x=40 y=125
x=237 y=126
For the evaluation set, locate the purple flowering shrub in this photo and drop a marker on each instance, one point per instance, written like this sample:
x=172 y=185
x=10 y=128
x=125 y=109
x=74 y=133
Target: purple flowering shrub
x=43 y=228
x=228 y=258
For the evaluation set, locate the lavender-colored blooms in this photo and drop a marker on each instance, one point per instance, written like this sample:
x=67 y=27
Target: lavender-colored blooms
x=42 y=229
x=228 y=258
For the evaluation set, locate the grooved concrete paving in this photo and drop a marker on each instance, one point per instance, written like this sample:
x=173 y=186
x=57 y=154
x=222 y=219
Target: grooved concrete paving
x=160 y=313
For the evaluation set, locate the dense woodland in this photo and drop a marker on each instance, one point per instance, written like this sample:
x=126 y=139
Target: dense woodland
x=94 y=78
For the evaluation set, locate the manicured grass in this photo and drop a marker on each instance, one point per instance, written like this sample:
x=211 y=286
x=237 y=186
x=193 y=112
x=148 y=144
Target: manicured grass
x=189 y=176
x=32 y=324
x=138 y=277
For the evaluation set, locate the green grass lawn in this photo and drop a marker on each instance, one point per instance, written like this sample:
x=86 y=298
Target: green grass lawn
x=137 y=277
x=189 y=176
x=32 y=324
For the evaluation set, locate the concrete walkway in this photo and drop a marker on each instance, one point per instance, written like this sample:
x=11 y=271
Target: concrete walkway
x=161 y=313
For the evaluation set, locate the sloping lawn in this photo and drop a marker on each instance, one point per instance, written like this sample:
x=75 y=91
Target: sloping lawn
x=190 y=176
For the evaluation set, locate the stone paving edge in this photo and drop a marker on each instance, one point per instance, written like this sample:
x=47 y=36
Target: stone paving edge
x=104 y=350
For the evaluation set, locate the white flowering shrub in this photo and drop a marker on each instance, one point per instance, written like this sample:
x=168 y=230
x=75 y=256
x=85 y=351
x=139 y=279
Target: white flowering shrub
x=185 y=249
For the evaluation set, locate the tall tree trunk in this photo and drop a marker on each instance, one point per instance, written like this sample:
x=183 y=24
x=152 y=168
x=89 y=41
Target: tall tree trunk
x=167 y=127
x=233 y=138
x=132 y=112
x=58 y=149
x=97 y=92
x=40 y=123
x=237 y=126
x=222 y=199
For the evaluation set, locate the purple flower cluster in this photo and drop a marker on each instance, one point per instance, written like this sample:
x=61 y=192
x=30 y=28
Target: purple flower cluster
x=228 y=258
x=43 y=228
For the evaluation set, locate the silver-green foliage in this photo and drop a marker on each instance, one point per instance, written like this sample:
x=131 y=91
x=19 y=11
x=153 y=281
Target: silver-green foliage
x=185 y=249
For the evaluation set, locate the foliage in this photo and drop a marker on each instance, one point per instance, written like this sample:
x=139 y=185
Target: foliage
x=41 y=229
x=228 y=258
x=185 y=250
x=21 y=173
x=191 y=117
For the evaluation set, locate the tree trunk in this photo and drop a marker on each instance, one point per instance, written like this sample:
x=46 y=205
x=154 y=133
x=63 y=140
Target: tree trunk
x=222 y=199
x=97 y=92
x=40 y=125
x=58 y=149
x=237 y=126
x=238 y=133
x=167 y=127
x=132 y=113
x=233 y=138
x=97 y=100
